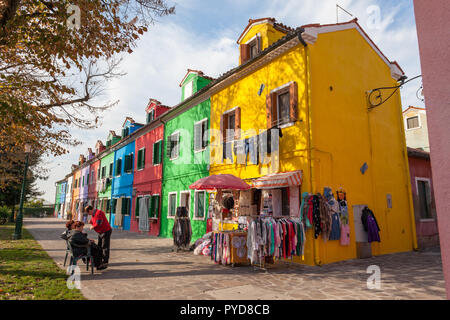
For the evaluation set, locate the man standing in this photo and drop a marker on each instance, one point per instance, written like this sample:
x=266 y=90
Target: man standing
x=101 y=225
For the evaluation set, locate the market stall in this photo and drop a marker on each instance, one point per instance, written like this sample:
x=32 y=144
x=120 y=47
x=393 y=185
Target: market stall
x=228 y=238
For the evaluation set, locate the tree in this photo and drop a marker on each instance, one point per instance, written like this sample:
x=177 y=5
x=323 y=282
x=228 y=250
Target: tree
x=11 y=174
x=52 y=69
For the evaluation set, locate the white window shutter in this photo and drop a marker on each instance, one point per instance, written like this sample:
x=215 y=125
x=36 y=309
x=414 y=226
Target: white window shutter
x=197 y=136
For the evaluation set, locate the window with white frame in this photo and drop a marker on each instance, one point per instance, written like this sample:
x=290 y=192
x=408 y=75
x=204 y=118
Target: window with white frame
x=172 y=205
x=199 y=204
x=424 y=195
x=174 y=145
x=188 y=90
x=412 y=122
x=200 y=138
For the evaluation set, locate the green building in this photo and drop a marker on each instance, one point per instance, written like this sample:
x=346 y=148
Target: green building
x=105 y=175
x=186 y=159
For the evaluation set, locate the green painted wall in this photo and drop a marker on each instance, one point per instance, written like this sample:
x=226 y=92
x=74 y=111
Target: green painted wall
x=189 y=167
x=105 y=161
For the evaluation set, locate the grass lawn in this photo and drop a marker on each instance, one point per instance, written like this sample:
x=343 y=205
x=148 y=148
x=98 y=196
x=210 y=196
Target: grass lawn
x=27 y=272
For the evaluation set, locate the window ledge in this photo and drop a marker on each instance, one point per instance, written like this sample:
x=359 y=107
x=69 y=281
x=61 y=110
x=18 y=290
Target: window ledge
x=170 y=217
x=198 y=218
x=285 y=125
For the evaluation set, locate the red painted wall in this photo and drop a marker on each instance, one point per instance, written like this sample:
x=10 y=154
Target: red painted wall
x=148 y=180
x=92 y=192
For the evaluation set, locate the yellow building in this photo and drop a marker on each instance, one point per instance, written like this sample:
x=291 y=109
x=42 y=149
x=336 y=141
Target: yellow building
x=312 y=82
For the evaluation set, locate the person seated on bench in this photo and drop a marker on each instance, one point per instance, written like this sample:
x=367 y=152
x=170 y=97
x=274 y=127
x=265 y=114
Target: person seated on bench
x=80 y=242
x=66 y=234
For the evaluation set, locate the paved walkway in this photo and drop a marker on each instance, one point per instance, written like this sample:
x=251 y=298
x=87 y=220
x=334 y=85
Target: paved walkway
x=145 y=268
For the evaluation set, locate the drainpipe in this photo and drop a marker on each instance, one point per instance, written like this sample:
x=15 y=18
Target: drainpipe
x=309 y=147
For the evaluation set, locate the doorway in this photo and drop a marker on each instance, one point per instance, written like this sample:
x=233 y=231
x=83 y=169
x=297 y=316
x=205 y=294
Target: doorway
x=185 y=200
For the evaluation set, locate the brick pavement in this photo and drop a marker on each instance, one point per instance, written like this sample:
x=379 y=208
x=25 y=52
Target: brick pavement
x=143 y=267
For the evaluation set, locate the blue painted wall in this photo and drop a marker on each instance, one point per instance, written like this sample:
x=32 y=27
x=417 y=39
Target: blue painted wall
x=122 y=185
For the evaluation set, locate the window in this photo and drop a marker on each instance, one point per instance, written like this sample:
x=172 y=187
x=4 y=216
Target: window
x=111 y=169
x=230 y=123
x=125 y=132
x=424 y=194
x=128 y=165
x=108 y=143
x=199 y=207
x=118 y=166
x=172 y=204
x=200 y=138
x=92 y=176
x=174 y=145
x=188 y=89
x=103 y=171
x=126 y=206
x=87 y=179
x=157 y=152
x=151 y=116
x=141 y=159
x=250 y=49
x=281 y=105
x=108 y=205
x=113 y=205
x=154 y=206
x=99 y=170
x=412 y=122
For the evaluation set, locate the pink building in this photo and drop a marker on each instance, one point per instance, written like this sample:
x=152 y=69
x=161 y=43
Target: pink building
x=423 y=198
x=147 y=180
x=433 y=31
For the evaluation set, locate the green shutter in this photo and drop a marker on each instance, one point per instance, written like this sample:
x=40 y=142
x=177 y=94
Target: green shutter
x=155 y=206
x=160 y=151
x=150 y=206
x=139 y=160
x=124 y=206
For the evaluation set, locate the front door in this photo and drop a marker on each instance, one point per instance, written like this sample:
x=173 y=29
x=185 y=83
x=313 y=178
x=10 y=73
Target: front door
x=185 y=197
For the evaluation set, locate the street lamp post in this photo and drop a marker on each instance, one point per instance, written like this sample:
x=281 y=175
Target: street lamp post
x=18 y=232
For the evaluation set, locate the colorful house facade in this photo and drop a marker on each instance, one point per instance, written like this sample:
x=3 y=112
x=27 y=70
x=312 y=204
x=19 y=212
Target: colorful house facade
x=147 y=179
x=186 y=158
x=104 y=184
x=84 y=187
x=68 y=200
x=60 y=198
x=122 y=182
x=310 y=83
x=76 y=192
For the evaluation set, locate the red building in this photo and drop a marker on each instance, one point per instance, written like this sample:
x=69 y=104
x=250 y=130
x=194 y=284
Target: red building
x=423 y=198
x=148 y=169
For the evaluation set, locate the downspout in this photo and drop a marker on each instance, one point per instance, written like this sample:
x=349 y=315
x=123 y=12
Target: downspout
x=309 y=147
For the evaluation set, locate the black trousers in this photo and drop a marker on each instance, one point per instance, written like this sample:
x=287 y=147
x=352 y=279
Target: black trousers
x=103 y=242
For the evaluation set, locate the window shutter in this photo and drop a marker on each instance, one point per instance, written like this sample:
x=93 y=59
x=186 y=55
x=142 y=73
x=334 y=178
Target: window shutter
x=159 y=152
x=244 y=53
x=150 y=206
x=293 y=96
x=153 y=154
x=197 y=136
x=139 y=160
x=269 y=110
x=237 y=123
x=156 y=207
x=169 y=143
x=123 y=133
x=136 y=208
x=258 y=44
x=177 y=146
x=205 y=137
x=143 y=158
x=224 y=126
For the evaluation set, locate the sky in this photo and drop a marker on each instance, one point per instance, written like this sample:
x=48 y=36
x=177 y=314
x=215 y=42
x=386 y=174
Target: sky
x=202 y=35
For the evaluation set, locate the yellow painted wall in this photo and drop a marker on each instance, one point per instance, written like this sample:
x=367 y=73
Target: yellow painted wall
x=343 y=133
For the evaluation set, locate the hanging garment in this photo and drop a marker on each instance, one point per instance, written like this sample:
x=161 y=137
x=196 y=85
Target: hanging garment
x=264 y=148
x=118 y=217
x=316 y=216
x=241 y=156
x=303 y=216
x=372 y=225
x=343 y=211
x=143 y=214
x=253 y=149
x=335 y=227
x=345 y=235
x=228 y=150
x=325 y=217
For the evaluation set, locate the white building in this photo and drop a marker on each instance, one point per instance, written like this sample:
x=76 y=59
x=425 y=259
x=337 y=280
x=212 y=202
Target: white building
x=416 y=130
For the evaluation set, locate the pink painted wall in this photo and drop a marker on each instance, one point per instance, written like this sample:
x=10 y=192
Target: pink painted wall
x=426 y=230
x=433 y=31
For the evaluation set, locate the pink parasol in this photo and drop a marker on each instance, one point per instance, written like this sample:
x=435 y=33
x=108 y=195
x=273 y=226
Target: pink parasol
x=220 y=181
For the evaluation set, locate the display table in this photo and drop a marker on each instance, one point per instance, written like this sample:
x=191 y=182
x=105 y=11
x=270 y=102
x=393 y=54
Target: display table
x=237 y=250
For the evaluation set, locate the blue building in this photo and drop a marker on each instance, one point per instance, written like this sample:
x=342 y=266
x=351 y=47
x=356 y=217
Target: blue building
x=122 y=183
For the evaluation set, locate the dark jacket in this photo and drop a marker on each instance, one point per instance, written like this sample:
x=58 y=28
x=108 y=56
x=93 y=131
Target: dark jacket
x=66 y=234
x=365 y=214
x=79 y=242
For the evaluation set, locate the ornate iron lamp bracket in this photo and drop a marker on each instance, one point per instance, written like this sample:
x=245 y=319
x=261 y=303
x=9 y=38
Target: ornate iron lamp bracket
x=375 y=98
